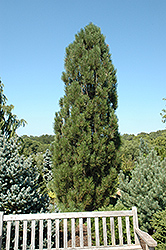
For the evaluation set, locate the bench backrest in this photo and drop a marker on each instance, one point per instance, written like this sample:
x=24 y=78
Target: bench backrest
x=64 y=230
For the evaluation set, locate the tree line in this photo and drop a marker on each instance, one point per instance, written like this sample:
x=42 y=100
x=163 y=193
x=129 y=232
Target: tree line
x=87 y=165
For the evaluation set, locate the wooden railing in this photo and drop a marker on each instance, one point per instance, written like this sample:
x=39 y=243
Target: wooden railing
x=83 y=230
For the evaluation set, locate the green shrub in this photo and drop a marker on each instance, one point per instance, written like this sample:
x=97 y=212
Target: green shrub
x=146 y=188
x=159 y=225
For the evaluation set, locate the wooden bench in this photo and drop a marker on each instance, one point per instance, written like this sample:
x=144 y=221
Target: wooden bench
x=113 y=230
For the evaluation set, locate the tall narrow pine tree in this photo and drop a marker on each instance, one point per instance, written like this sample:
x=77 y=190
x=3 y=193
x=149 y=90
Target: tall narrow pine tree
x=86 y=127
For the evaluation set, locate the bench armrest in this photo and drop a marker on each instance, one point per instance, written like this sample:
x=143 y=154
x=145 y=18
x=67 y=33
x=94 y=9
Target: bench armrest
x=146 y=238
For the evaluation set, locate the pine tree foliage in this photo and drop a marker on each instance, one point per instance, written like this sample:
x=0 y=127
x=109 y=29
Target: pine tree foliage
x=147 y=188
x=86 y=127
x=159 y=226
x=44 y=165
x=19 y=181
x=9 y=122
x=143 y=148
x=47 y=170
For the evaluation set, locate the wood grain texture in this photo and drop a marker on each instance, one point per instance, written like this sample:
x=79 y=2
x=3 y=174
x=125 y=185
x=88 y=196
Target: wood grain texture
x=104 y=231
x=50 y=216
x=112 y=230
x=135 y=224
x=128 y=230
x=120 y=231
x=146 y=238
x=97 y=231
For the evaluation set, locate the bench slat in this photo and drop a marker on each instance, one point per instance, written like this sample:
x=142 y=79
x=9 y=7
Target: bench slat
x=50 y=216
x=104 y=231
x=24 y=246
x=1 y=227
x=16 y=235
x=57 y=233
x=8 y=235
x=89 y=232
x=81 y=232
x=135 y=224
x=112 y=230
x=33 y=234
x=40 y=234
x=120 y=231
x=49 y=234
x=73 y=232
x=97 y=231
x=124 y=247
x=128 y=230
x=65 y=232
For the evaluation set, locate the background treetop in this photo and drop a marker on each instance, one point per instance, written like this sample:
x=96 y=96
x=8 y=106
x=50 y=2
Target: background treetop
x=9 y=122
x=163 y=114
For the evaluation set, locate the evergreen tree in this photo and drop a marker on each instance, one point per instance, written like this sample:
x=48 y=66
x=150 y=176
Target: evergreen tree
x=9 y=122
x=47 y=168
x=44 y=166
x=128 y=153
x=19 y=181
x=143 y=147
x=86 y=127
x=159 y=226
x=147 y=188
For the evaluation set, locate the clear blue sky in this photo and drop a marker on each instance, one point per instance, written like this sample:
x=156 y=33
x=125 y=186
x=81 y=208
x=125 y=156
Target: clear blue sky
x=33 y=38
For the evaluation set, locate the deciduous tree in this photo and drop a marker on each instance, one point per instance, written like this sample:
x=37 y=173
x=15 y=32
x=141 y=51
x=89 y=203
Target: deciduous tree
x=163 y=114
x=9 y=122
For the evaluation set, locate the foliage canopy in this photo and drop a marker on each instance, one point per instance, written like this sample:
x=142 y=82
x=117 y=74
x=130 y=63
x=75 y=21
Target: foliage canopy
x=86 y=127
x=9 y=122
x=159 y=226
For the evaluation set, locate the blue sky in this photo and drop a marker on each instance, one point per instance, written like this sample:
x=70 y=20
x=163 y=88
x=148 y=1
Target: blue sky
x=33 y=38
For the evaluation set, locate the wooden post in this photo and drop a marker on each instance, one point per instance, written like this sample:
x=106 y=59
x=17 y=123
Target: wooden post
x=135 y=224
x=1 y=228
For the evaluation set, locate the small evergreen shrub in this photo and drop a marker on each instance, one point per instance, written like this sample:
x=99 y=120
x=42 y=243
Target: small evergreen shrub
x=159 y=225
x=19 y=181
x=146 y=189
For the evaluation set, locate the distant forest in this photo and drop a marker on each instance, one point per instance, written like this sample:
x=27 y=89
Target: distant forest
x=35 y=144
x=129 y=149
